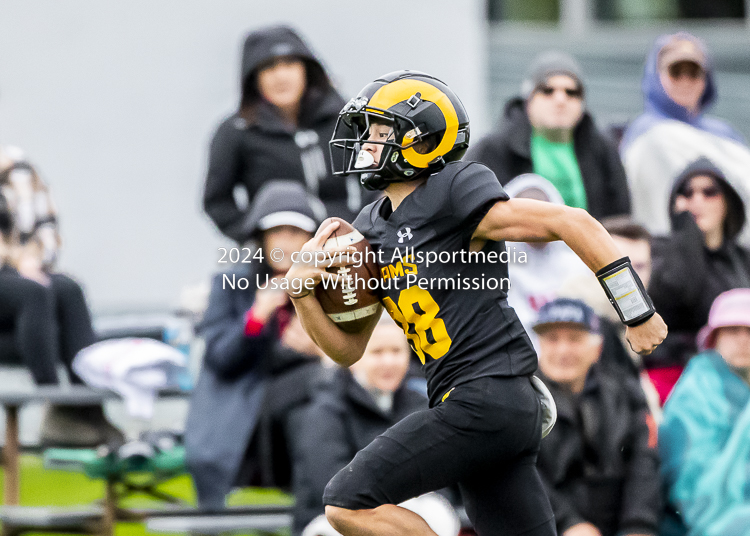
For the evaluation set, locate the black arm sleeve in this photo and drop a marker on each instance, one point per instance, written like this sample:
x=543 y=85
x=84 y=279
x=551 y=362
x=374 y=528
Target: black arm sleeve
x=224 y=169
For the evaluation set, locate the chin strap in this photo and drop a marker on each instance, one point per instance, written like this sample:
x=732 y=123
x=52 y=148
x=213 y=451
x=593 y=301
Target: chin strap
x=626 y=292
x=373 y=181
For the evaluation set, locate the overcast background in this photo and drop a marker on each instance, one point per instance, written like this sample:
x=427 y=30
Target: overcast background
x=115 y=103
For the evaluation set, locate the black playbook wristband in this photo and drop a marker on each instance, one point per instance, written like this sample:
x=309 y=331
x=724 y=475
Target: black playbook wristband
x=626 y=292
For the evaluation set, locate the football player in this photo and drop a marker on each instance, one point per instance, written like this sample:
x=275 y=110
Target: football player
x=405 y=134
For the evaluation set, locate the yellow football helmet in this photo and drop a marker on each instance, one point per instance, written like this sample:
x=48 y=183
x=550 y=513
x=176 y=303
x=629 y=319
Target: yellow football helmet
x=430 y=127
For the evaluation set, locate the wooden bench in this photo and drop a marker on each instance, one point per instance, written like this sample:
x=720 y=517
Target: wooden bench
x=266 y=518
x=12 y=400
x=263 y=518
x=18 y=520
x=220 y=523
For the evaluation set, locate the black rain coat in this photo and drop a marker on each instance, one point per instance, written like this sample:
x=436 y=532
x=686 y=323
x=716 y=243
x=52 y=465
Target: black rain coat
x=599 y=463
x=250 y=149
x=507 y=152
x=687 y=276
x=341 y=421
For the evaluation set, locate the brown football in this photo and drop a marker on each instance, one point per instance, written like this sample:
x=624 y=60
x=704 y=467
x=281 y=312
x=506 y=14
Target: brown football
x=351 y=305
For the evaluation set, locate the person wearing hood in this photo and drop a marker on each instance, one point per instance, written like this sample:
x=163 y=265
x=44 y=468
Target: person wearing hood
x=287 y=112
x=548 y=131
x=678 y=89
x=259 y=365
x=699 y=260
x=703 y=440
x=44 y=318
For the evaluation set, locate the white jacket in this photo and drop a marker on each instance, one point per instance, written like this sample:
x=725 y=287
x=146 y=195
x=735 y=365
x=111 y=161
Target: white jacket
x=655 y=158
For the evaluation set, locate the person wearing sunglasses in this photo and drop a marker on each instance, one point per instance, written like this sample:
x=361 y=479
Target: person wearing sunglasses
x=548 y=131
x=678 y=87
x=699 y=260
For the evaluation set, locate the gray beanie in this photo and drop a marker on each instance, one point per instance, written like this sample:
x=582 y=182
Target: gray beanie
x=548 y=64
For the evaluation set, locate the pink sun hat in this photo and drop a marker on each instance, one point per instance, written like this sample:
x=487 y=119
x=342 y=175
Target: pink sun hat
x=730 y=308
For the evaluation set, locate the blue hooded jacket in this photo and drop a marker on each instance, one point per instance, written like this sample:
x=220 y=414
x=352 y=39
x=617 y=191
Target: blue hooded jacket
x=659 y=106
x=705 y=453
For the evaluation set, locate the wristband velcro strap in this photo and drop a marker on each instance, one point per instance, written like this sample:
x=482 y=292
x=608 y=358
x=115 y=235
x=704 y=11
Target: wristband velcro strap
x=626 y=292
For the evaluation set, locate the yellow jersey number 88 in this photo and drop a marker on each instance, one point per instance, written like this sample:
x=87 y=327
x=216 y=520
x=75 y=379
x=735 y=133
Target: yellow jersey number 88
x=416 y=306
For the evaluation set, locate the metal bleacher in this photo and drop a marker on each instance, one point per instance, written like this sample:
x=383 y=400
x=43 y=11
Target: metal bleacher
x=612 y=58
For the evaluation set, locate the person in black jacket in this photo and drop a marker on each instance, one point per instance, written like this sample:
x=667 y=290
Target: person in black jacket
x=599 y=463
x=358 y=405
x=259 y=366
x=286 y=116
x=699 y=260
x=44 y=317
x=548 y=132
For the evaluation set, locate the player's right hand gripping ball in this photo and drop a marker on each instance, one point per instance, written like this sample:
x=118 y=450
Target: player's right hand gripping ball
x=351 y=302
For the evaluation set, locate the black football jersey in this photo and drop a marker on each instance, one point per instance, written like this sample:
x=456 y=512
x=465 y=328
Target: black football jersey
x=450 y=302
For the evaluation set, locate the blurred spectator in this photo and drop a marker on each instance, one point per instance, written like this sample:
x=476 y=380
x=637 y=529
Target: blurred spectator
x=6 y=224
x=703 y=440
x=678 y=88
x=634 y=241
x=547 y=131
x=44 y=318
x=359 y=404
x=285 y=119
x=34 y=215
x=548 y=264
x=256 y=374
x=699 y=260
x=599 y=463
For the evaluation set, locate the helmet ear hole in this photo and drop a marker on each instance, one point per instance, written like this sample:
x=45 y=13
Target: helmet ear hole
x=427 y=145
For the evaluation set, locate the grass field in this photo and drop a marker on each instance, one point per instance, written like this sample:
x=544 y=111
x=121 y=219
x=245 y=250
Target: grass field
x=43 y=487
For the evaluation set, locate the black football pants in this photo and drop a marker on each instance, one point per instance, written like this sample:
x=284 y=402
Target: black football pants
x=485 y=436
